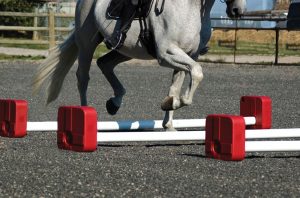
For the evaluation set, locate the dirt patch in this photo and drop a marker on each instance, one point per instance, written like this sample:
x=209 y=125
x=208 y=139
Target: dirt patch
x=282 y=4
x=262 y=36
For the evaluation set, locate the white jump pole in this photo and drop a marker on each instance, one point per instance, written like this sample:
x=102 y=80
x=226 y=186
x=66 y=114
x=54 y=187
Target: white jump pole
x=272 y=146
x=41 y=126
x=131 y=125
x=272 y=133
x=149 y=136
x=189 y=135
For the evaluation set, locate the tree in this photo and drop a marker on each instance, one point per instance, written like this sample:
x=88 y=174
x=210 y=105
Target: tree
x=17 y=6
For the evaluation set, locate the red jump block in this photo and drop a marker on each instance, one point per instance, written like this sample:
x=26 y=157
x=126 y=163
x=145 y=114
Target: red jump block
x=13 y=118
x=77 y=129
x=259 y=107
x=225 y=137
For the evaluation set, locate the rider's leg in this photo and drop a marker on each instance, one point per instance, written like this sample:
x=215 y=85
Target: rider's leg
x=126 y=19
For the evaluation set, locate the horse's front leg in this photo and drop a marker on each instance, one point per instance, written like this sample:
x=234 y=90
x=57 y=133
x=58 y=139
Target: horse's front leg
x=107 y=63
x=174 y=92
x=177 y=59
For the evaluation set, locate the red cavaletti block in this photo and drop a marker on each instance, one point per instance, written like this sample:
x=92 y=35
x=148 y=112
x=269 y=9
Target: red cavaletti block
x=77 y=129
x=225 y=137
x=13 y=118
x=259 y=107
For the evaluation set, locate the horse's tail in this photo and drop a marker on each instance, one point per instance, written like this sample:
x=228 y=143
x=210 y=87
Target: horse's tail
x=55 y=68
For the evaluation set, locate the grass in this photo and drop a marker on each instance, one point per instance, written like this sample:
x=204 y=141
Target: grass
x=20 y=57
x=26 y=46
x=101 y=49
x=242 y=48
x=219 y=60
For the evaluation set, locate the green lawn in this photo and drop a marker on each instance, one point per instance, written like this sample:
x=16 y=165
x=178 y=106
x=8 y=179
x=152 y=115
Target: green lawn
x=101 y=49
x=242 y=48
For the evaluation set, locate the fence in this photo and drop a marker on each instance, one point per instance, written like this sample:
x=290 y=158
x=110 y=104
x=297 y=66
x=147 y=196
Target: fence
x=278 y=18
x=50 y=28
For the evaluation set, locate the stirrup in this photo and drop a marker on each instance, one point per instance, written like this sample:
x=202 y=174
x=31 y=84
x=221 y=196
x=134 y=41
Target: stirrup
x=119 y=43
x=112 y=45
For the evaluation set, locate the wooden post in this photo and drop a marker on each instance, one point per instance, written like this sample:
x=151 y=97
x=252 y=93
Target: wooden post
x=277 y=46
x=235 y=40
x=235 y=47
x=51 y=26
x=35 y=24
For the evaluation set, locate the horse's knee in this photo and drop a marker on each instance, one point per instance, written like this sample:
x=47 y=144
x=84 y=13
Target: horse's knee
x=109 y=61
x=101 y=64
x=196 y=73
x=174 y=90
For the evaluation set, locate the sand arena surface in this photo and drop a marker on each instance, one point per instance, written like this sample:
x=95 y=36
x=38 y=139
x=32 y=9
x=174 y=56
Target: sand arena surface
x=34 y=167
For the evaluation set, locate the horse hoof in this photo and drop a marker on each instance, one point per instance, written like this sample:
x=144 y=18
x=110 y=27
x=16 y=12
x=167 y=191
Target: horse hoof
x=171 y=130
x=111 y=108
x=167 y=104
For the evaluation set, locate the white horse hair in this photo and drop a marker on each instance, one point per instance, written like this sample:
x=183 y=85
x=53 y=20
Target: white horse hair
x=180 y=33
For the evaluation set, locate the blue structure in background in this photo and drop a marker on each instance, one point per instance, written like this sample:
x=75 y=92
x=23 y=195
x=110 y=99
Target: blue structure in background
x=219 y=11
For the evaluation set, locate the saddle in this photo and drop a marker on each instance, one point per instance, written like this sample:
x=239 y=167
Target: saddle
x=116 y=6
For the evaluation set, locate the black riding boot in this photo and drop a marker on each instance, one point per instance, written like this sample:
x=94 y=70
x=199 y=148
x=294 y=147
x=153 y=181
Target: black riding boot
x=126 y=19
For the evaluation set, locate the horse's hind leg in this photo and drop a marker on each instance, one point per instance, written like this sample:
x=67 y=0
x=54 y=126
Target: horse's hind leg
x=87 y=39
x=82 y=74
x=107 y=63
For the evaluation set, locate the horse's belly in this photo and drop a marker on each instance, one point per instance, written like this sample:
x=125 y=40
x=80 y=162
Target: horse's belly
x=137 y=51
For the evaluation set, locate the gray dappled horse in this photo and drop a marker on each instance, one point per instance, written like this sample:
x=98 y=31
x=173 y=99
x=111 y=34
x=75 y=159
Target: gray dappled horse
x=180 y=33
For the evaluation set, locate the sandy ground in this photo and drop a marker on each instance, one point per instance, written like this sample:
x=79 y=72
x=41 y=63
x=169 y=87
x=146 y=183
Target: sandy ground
x=22 y=51
x=33 y=166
